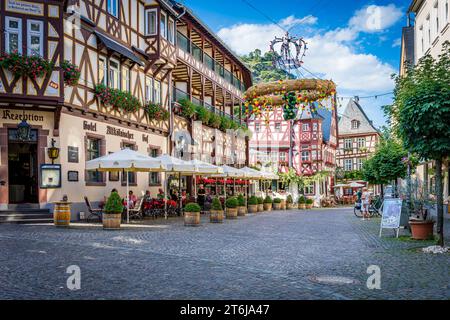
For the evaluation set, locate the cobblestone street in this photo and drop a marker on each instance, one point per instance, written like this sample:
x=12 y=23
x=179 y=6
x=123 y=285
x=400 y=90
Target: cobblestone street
x=268 y=256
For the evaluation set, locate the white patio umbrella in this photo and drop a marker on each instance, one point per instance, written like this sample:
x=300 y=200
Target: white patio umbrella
x=341 y=185
x=126 y=160
x=355 y=185
x=230 y=172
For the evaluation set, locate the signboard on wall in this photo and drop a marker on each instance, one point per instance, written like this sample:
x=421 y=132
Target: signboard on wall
x=72 y=155
x=27 y=7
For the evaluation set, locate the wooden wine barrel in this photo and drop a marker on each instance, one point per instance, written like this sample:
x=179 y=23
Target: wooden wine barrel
x=242 y=211
x=192 y=219
x=111 y=221
x=260 y=207
x=283 y=204
x=267 y=207
x=61 y=214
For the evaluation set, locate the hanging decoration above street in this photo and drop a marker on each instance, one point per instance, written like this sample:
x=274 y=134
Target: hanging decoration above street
x=291 y=95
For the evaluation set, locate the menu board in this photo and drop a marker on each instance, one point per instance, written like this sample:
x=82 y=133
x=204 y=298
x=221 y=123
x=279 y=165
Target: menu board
x=392 y=212
x=50 y=176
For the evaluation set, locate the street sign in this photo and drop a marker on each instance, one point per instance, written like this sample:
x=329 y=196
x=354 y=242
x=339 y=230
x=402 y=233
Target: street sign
x=392 y=215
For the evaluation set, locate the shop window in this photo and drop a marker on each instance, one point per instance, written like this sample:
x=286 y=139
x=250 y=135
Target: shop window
x=93 y=151
x=113 y=8
x=13 y=34
x=35 y=36
x=151 y=22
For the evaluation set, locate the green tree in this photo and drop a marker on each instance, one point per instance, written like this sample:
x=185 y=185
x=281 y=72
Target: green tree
x=386 y=164
x=262 y=67
x=421 y=116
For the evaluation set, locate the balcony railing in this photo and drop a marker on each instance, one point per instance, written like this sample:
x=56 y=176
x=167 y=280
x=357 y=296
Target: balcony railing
x=189 y=47
x=179 y=95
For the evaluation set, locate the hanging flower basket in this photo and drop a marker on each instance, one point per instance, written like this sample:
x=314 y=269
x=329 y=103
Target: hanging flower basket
x=71 y=73
x=25 y=66
x=117 y=99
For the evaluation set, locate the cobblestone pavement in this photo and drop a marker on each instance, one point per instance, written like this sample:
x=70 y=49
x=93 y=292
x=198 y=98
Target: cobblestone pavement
x=267 y=256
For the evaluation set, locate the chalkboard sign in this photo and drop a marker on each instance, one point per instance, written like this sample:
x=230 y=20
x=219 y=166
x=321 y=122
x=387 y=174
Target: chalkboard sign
x=393 y=215
x=72 y=154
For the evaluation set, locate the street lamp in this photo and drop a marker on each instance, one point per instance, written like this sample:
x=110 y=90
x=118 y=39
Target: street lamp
x=53 y=152
x=23 y=130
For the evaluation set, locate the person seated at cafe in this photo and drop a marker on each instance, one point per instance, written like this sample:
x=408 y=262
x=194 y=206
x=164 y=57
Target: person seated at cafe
x=174 y=195
x=132 y=198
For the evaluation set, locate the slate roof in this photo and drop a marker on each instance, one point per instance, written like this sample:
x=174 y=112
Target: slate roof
x=354 y=111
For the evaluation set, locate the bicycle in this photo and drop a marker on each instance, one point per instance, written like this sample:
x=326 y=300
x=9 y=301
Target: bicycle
x=374 y=208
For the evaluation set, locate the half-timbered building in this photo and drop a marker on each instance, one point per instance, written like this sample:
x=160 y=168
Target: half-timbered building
x=130 y=54
x=358 y=139
x=307 y=144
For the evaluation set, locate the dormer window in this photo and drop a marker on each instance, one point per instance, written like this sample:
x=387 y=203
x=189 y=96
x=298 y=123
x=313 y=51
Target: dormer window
x=355 y=124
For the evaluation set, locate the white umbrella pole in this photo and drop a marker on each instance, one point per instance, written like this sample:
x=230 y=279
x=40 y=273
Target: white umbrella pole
x=195 y=188
x=165 y=194
x=179 y=191
x=128 y=198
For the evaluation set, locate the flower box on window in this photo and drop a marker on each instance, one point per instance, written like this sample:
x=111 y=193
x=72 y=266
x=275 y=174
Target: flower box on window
x=117 y=99
x=25 y=66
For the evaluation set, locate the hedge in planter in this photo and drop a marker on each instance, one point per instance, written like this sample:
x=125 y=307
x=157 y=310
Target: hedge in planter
x=253 y=204
x=203 y=114
x=26 y=66
x=214 y=120
x=242 y=208
x=260 y=204
x=192 y=214
x=277 y=204
x=268 y=203
x=309 y=203
x=122 y=100
x=290 y=202
x=232 y=211
x=216 y=213
x=302 y=202
x=187 y=109
x=112 y=215
x=225 y=123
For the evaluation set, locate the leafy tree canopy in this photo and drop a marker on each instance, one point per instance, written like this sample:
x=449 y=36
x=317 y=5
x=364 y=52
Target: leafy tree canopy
x=262 y=67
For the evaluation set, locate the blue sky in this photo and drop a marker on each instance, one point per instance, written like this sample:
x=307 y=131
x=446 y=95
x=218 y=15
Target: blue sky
x=353 y=42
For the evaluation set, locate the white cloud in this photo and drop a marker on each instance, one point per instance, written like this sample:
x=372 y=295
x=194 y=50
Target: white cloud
x=375 y=18
x=397 y=43
x=292 y=20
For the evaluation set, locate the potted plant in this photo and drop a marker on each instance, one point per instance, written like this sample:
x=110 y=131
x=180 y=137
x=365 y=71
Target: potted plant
x=232 y=210
x=302 y=203
x=252 y=204
x=277 y=204
x=112 y=214
x=216 y=213
x=268 y=203
x=290 y=202
x=309 y=203
x=242 y=208
x=421 y=222
x=192 y=215
x=260 y=204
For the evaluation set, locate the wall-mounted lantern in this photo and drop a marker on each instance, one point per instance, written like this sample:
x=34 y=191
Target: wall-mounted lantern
x=53 y=152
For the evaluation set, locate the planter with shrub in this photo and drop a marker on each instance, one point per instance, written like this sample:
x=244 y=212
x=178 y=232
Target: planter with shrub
x=71 y=73
x=260 y=204
x=253 y=204
x=19 y=65
x=309 y=203
x=268 y=203
x=302 y=203
x=112 y=214
x=290 y=202
x=192 y=215
x=117 y=99
x=156 y=112
x=242 y=208
x=277 y=204
x=232 y=208
x=216 y=213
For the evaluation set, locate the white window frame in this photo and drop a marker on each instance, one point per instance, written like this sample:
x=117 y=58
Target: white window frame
x=446 y=12
x=112 y=6
x=435 y=19
x=163 y=29
x=355 y=124
x=148 y=89
x=309 y=189
x=315 y=126
x=359 y=163
x=126 y=81
x=171 y=31
x=105 y=70
x=40 y=34
x=305 y=127
x=9 y=31
x=277 y=126
x=305 y=156
x=282 y=156
x=110 y=74
x=155 y=22
x=157 y=94
x=348 y=144
x=361 y=142
x=348 y=164
x=257 y=127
